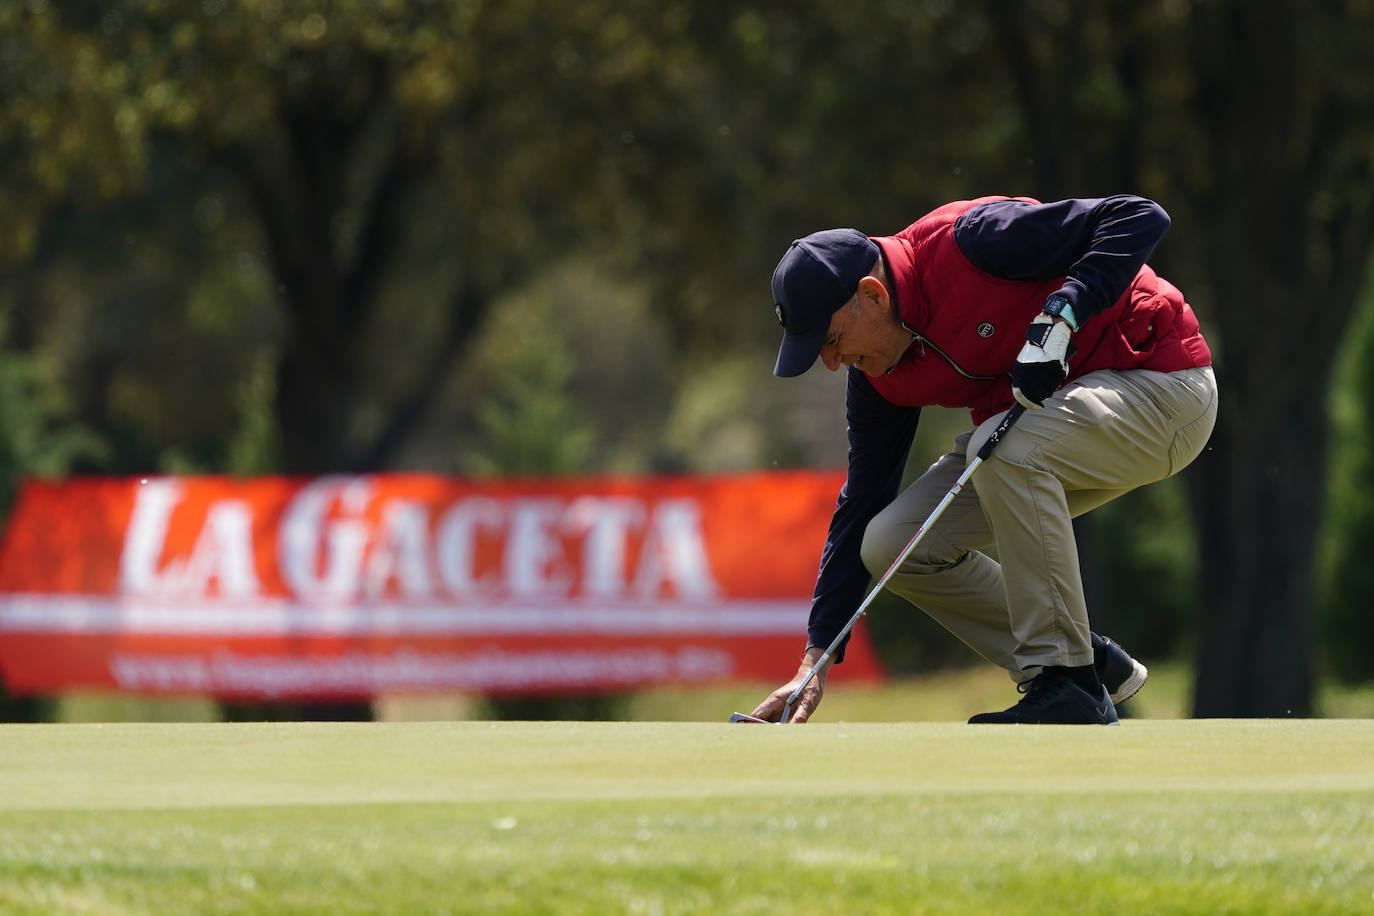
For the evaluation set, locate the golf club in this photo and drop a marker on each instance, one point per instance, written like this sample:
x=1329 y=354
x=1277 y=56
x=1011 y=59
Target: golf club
x=1012 y=416
x=743 y=717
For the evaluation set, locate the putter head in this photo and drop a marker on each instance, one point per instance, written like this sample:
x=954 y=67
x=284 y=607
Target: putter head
x=741 y=717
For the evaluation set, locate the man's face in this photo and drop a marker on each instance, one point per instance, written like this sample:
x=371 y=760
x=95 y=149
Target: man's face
x=865 y=332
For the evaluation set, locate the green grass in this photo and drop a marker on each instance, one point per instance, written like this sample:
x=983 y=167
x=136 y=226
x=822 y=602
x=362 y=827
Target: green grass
x=946 y=697
x=1170 y=816
x=954 y=696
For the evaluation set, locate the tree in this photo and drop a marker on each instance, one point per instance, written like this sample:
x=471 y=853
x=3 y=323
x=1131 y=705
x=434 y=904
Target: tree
x=1263 y=152
x=399 y=168
x=1347 y=579
x=364 y=146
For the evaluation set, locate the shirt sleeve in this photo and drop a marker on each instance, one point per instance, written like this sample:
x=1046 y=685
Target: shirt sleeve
x=880 y=435
x=1097 y=245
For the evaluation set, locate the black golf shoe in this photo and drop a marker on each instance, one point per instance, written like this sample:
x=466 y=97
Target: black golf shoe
x=1053 y=698
x=1119 y=673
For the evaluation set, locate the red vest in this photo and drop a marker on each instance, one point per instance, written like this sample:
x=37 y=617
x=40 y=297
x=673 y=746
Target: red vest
x=972 y=324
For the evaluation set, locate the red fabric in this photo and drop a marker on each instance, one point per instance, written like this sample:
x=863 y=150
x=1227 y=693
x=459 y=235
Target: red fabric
x=979 y=322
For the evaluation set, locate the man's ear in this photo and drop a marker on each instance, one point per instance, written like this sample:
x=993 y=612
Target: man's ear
x=872 y=292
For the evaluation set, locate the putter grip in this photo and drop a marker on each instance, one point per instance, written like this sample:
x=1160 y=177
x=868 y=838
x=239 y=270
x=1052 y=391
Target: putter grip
x=1012 y=416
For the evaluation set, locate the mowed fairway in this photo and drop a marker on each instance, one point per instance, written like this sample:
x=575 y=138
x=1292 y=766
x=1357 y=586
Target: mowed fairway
x=470 y=817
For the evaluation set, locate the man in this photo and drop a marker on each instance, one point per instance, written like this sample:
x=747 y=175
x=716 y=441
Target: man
x=981 y=304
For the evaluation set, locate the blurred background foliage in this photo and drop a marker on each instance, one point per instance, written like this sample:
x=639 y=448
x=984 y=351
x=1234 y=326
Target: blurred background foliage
x=519 y=237
x=1345 y=573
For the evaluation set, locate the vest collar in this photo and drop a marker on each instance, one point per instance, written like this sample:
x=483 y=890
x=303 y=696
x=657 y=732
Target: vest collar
x=900 y=261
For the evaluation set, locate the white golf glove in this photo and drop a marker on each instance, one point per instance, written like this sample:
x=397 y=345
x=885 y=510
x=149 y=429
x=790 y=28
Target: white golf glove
x=1043 y=363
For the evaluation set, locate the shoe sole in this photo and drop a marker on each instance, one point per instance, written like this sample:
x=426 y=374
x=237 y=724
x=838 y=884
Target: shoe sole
x=1132 y=684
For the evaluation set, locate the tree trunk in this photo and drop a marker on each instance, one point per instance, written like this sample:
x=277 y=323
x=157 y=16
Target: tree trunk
x=1257 y=492
x=1276 y=276
x=315 y=401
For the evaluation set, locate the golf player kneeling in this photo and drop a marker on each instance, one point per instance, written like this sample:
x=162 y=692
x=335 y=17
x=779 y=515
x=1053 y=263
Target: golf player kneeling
x=983 y=304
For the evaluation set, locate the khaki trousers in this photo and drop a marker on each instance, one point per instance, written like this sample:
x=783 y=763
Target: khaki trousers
x=1102 y=435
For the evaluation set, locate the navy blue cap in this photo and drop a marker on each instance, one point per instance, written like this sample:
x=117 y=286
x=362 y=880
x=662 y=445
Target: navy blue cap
x=817 y=275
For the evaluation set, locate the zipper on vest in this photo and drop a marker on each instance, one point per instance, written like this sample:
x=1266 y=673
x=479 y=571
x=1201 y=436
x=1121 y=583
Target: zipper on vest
x=920 y=340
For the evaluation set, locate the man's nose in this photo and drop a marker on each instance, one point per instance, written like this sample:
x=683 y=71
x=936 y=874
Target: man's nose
x=830 y=356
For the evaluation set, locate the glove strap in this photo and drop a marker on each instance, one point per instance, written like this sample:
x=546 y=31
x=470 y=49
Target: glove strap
x=1039 y=332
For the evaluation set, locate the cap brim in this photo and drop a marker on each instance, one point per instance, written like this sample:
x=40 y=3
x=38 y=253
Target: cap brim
x=799 y=351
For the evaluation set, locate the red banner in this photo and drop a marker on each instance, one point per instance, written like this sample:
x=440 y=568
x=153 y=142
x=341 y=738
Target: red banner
x=341 y=587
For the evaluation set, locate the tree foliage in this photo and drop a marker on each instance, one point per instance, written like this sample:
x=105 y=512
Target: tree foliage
x=291 y=236
x=392 y=168
x=1346 y=578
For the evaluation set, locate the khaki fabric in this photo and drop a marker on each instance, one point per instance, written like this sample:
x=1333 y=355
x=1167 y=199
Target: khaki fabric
x=1102 y=435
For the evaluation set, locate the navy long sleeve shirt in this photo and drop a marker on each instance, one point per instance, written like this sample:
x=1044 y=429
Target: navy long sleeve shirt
x=1096 y=245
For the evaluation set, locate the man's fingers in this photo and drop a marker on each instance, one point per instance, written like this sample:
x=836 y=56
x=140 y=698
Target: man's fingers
x=770 y=709
x=806 y=703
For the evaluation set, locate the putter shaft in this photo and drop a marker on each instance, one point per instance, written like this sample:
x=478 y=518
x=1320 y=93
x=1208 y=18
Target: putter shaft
x=1012 y=416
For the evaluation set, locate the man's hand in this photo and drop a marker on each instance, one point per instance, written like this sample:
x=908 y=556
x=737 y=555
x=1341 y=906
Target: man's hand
x=1043 y=363
x=770 y=710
